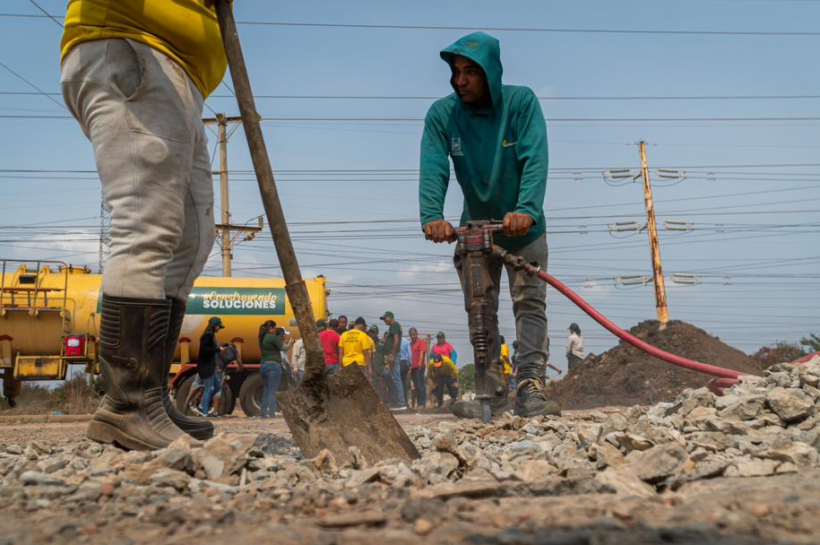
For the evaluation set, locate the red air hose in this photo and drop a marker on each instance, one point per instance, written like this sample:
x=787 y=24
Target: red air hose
x=632 y=339
x=518 y=263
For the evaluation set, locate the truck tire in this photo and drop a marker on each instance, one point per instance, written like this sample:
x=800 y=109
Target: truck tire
x=188 y=398
x=250 y=395
x=183 y=398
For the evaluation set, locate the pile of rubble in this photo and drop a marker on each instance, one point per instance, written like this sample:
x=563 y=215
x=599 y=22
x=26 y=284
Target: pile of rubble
x=765 y=426
x=625 y=375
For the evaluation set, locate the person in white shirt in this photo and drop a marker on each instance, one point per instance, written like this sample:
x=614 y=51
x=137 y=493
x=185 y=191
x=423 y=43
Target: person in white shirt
x=299 y=358
x=575 y=346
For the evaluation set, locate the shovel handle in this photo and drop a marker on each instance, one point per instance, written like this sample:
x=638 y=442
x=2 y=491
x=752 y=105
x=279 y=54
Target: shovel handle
x=294 y=284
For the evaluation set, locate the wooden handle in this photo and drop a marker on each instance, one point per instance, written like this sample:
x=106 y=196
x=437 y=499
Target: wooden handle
x=294 y=285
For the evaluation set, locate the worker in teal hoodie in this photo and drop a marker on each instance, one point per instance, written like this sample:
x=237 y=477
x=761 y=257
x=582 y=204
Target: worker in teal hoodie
x=496 y=137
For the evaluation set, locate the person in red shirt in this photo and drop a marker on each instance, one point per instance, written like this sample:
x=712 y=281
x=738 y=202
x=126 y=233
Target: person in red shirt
x=418 y=347
x=330 y=344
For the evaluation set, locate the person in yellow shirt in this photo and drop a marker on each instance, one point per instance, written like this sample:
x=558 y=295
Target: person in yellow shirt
x=444 y=374
x=135 y=74
x=356 y=346
x=505 y=357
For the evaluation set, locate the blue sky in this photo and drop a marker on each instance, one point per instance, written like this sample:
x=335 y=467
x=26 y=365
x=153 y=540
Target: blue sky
x=753 y=237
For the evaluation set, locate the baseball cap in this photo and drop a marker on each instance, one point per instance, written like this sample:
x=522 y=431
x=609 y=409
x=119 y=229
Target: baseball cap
x=440 y=334
x=321 y=323
x=387 y=314
x=574 y=327
x=374 y=328
x=216 y=320
x=360 y=321
x=438 y=360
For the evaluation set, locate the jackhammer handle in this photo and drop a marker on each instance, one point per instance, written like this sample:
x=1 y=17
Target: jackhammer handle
x=296 y=290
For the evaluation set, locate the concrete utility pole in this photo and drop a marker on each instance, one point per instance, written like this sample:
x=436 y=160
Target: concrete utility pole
x=654 y=246
x=225 y=228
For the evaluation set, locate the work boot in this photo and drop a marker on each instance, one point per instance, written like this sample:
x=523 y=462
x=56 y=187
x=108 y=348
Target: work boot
x=132 y=353
x=498 y=405
x=198 y=428
x=532 y=400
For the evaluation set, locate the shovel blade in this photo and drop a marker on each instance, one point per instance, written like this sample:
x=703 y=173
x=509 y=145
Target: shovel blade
x=347 y=414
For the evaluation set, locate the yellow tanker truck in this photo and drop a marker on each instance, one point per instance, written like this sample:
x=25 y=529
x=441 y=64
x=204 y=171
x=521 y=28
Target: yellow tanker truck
x=50 y=318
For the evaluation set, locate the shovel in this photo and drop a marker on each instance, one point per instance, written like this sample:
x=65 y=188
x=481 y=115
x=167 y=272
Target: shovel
x=336 y=414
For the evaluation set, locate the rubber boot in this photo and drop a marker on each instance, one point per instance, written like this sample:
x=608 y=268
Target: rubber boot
x=133 y=334
x=498 y=405
x=532 y=400
x=198 y=428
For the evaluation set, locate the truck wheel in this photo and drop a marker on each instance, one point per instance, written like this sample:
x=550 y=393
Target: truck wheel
x=187 y=397
x=250 y=395
x=229 y=402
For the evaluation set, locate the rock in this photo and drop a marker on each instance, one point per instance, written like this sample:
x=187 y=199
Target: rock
x=710 y=440
x=606 y=455
x=628 y=441
x=742 y=408
x=364 y=518
x=661 y=462
x=445 y=442
x=52 y=465
x=171 y=478
x=752 y=468
x=324 y=463
x=534 y=470
x=362 y=477
x=422 y=527
x=624 y=483
x=41 y=479
x=225 y=454
x=177 y=455
x=799 y=454
x=445 y=491
x=790 y=404
x=16 y=450
x=588 y=434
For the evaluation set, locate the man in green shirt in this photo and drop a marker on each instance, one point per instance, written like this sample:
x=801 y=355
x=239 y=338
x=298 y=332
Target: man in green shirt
x=496 y=137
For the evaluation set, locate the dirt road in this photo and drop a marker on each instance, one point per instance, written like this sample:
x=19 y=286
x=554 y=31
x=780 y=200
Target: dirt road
x=475 y=484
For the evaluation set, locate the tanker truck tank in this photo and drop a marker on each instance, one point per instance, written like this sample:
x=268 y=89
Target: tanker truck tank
x=50 y=317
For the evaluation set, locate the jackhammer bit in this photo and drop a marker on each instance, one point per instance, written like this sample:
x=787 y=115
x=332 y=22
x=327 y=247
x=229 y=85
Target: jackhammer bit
x=475 y=249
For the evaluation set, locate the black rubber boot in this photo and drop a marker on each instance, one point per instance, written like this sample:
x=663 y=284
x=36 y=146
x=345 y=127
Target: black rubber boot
x=472 y=409
x=532 y=400
x=198 y=428
x=133 y=334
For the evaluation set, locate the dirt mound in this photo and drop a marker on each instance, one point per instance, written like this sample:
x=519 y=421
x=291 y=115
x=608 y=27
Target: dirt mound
x=626 y=376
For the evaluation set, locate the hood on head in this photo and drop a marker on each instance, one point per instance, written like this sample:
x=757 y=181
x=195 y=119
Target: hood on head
x=485 y=51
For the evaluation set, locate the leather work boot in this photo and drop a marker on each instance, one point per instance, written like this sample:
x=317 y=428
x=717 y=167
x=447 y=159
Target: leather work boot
x=498 y=405
x=198 y=428
x=132 y=353
x=532 y=400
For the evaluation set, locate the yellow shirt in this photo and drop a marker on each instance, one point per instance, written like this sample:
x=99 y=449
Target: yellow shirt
x=505 y=357
x=184 y=30
x=447 y=369
x=355 y=343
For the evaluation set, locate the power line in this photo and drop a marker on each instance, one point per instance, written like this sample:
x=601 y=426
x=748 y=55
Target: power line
x=40 y=91
x=36 y=5
x=506 y=29
x=540 y=97
x=296 y=119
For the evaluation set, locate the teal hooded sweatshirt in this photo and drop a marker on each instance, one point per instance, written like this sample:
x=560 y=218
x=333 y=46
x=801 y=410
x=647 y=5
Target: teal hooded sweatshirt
x=499 y=152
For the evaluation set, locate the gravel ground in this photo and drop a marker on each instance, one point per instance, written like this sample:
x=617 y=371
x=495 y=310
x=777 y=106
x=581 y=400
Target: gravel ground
x=743 y=468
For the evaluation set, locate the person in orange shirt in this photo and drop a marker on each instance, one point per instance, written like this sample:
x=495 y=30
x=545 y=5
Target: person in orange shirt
x=135 y=75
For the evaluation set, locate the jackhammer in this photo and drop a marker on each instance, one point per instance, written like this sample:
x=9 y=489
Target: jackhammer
x=476 y=250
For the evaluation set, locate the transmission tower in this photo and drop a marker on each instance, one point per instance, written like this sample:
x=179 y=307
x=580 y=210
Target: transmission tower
x=105 y=233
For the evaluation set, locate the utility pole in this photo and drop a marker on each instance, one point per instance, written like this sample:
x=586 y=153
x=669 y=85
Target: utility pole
x=654 y=246
x=105 y=233
x=225 y=229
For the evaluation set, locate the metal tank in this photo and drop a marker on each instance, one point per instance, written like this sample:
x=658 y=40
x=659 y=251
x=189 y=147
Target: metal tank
x=43 y=304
